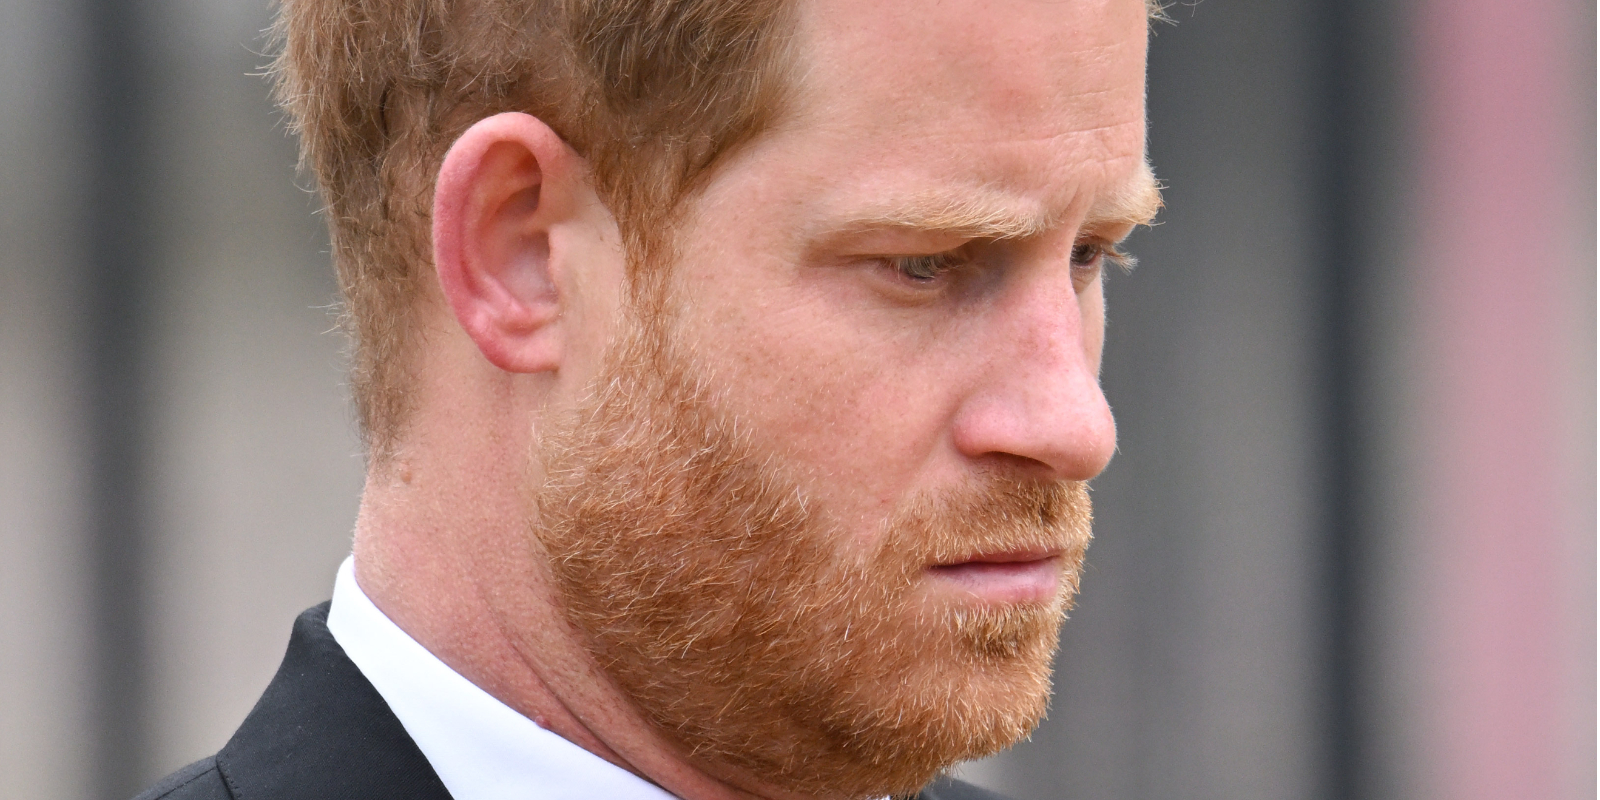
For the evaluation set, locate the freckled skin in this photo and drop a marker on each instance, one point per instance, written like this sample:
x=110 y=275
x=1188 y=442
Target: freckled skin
x=879 y=397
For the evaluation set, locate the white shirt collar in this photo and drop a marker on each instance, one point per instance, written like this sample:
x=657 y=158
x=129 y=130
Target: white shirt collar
x=481 y=748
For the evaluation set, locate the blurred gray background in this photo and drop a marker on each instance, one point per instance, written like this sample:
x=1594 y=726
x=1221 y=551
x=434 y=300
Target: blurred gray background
x=1345 y=549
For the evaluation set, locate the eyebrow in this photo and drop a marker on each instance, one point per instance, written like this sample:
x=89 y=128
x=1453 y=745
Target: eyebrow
x=966 y=215
x=1133 y=203
x=990 y=216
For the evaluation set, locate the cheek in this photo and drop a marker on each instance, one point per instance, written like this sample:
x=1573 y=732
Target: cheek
x=855 y=409
x=1092 y=312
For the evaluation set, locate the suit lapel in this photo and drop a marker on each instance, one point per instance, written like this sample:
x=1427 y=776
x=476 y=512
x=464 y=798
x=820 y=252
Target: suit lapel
x=321 y=731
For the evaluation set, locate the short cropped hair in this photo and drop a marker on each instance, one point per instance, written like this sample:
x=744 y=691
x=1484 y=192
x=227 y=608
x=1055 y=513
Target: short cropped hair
x=651 y=93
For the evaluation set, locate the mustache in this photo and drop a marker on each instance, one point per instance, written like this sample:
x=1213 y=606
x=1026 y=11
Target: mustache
x=995 y=514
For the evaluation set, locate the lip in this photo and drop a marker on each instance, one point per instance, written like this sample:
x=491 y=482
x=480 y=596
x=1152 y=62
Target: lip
x=1008 y=556
x=1009 y=577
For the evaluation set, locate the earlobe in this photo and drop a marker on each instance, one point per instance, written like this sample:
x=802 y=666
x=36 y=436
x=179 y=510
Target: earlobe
x=502 y=187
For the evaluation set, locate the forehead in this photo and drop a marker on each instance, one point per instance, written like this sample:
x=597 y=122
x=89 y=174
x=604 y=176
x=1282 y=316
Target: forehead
x=1038 y=101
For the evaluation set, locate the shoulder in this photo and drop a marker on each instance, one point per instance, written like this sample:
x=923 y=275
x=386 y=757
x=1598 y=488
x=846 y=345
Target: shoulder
x=952 y=789
x=198 y=781
x=320 y=731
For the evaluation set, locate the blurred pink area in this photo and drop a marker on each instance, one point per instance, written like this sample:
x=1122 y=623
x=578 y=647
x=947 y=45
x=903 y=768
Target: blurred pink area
x=1505 y=292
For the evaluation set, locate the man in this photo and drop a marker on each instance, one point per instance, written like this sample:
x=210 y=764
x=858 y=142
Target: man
x=729 y=374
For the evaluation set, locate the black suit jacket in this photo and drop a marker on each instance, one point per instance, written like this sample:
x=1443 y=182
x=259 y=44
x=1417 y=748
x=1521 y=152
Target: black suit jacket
x=321 y=732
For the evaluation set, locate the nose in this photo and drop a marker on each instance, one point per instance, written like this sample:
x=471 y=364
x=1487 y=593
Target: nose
x=1038 y=401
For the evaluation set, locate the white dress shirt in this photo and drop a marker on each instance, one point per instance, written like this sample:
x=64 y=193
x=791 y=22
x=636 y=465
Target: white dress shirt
x=480 y=747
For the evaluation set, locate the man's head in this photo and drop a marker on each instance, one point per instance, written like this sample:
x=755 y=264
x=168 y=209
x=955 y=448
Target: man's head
x=758 y=385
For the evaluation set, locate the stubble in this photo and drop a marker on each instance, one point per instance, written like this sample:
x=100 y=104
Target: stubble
x=749 y=631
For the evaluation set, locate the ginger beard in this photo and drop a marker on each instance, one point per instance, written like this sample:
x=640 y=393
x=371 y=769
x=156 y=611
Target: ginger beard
x=755 y=635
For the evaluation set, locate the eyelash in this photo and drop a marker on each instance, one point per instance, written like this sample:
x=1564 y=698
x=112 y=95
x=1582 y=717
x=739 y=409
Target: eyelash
x=925 y=269
x=1093 y=251
x=929 y=268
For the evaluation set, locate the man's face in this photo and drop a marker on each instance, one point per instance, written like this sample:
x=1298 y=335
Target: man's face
x=807 y=272
x=822 y=519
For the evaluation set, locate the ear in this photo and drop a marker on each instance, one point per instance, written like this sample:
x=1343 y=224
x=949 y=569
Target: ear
x=505 y=183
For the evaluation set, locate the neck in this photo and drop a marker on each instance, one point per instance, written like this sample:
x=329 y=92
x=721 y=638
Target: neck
x=441 y=547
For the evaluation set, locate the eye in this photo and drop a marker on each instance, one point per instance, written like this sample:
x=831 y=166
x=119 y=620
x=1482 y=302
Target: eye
x=925 y=269
x=1087 y=254
x=1090 y=256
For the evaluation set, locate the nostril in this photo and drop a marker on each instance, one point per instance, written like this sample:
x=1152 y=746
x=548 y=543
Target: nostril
x=1011 y=463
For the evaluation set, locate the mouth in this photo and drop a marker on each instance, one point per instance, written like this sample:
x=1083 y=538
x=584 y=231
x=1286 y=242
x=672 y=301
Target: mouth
x=1005 y=578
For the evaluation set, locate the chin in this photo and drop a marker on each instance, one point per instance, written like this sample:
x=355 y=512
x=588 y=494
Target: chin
x=978 y=686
